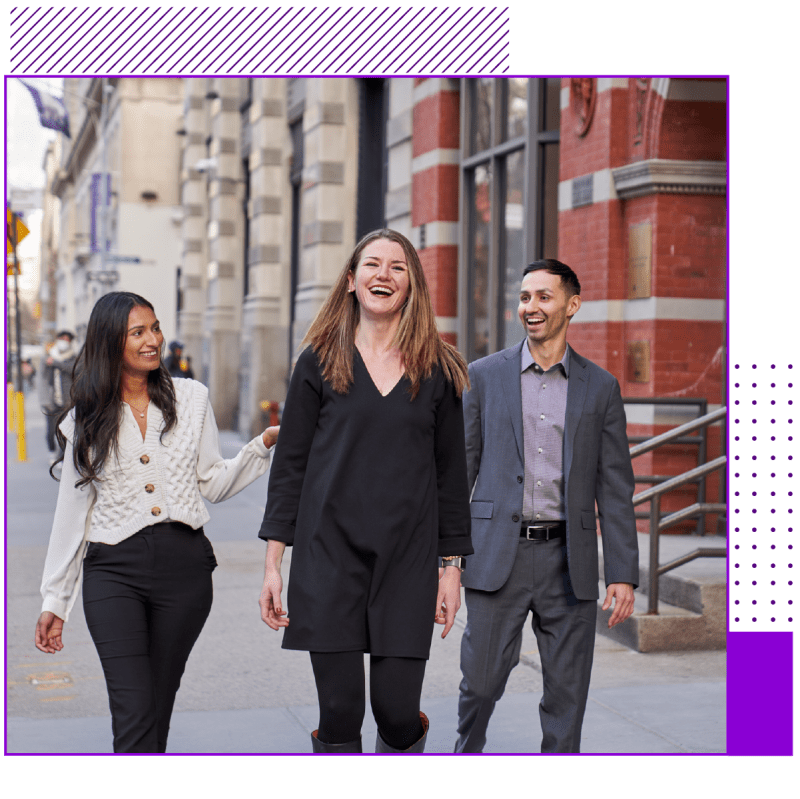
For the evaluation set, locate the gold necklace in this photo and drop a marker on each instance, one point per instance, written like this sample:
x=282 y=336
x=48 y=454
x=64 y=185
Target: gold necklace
x=141 y=412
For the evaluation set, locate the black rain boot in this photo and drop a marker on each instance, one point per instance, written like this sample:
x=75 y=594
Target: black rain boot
x=320 y=747
x=384 y=748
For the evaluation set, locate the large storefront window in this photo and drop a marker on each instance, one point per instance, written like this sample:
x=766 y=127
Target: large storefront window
x=510 y=180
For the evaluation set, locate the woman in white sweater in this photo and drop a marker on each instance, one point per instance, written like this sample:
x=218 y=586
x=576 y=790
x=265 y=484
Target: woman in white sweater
x=139 y=451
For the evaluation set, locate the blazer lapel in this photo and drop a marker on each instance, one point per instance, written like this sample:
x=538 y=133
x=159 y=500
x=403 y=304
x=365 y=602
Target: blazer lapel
x=576 y=396
x=510 y=379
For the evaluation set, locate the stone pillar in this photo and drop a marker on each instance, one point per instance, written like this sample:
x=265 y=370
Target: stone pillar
x=398 y=143
x=330 y=127
x=193 y=226
x=222 y=319
x=265 y=322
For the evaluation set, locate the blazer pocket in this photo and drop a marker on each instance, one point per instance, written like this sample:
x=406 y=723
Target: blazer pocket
x=588 y=521
x=481 y=510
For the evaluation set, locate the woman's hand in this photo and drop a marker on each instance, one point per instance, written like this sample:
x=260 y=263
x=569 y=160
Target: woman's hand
x=48 y=633
x=448 y=600
x=270 y=436
x=270 y=600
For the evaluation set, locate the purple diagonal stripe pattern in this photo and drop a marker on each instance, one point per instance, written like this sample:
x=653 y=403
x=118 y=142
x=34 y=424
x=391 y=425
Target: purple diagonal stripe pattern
x=270 y=40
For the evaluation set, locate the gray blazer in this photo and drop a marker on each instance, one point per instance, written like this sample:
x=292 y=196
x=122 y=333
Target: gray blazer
x=597 y=467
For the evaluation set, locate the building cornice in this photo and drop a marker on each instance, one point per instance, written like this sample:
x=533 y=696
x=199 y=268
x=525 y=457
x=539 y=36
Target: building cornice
x=663 y=176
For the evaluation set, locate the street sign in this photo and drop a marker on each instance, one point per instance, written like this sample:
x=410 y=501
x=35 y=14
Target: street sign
x=22 y=231
x=107 y=276
x=123 y=259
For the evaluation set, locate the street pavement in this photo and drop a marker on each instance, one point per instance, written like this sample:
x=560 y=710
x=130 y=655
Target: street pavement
x=242 y=693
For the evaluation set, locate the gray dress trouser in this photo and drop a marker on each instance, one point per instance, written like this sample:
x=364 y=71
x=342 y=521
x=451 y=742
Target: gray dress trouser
x=490 y=648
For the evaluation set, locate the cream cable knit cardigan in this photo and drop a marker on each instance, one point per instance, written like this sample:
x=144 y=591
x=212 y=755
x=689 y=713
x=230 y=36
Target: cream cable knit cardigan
x=149 y=481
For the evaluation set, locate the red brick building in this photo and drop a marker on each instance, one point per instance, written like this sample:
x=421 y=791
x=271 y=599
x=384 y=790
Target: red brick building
x=624 y=179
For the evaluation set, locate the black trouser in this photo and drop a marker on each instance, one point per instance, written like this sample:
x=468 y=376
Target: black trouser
x=395 y=686
x=146 y=600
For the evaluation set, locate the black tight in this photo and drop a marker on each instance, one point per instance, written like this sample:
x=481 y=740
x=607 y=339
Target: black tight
x=395 y=686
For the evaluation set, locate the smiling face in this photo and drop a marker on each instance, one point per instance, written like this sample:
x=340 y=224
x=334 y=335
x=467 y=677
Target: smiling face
x=143 y=342
x=381 y=280
x=545 y=309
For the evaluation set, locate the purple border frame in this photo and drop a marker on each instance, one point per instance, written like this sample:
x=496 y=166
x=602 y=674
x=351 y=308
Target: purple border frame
x=759 y=710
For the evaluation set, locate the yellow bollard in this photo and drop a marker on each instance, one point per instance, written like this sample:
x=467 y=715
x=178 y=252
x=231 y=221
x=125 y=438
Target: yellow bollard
x=10 y=406
x=20 y=421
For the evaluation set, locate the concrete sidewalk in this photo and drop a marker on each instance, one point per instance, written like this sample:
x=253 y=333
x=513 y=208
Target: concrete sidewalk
x=242 y=693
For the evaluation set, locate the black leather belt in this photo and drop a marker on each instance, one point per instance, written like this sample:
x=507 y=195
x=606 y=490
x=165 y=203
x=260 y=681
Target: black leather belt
x=544 y=531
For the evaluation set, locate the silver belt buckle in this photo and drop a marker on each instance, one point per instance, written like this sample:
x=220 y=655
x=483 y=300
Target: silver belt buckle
x=546 y=527
x=528 y=531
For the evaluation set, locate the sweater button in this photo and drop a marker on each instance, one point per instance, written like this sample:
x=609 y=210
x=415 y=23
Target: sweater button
x=149 y=488
x=519 y=479
x=156 y=511
x=145 y=459
x=515 y=518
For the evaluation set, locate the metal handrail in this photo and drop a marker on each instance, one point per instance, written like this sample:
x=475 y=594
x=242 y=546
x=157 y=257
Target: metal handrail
x=679 y=480
x=676 y=438
x=654 y=494
x=677 y=432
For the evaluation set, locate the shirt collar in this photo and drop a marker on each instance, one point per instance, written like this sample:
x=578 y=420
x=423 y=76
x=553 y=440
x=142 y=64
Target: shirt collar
x=527 y=359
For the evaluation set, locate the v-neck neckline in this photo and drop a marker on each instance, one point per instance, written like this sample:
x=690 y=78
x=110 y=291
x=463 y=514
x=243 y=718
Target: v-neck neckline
x=372 y=380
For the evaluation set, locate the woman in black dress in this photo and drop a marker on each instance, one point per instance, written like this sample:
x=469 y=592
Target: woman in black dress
x=369 y=486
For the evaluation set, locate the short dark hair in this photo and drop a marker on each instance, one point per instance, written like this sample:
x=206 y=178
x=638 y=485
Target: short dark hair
x=66 y=333
x=569 y=280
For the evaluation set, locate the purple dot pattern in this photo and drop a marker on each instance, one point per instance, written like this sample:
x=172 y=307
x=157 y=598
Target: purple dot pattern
x=271 y=40
x=762 y=535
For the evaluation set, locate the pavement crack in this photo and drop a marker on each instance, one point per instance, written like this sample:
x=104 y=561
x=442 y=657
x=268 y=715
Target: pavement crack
x=639 y=725
x=297 y=718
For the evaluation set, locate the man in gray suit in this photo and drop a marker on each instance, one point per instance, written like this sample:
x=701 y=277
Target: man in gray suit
x=546 y=439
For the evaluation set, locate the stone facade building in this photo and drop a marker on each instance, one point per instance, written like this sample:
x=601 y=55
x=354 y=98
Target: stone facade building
x=123 y=128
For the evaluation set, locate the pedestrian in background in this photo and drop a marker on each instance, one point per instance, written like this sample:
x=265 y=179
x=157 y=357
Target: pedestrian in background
x=28 y=374
x=176 y=364
x=141 y=449
x=56 y=381
x=370 y=487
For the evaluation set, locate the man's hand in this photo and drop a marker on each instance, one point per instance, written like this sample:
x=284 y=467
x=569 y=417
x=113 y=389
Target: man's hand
x=623 y=606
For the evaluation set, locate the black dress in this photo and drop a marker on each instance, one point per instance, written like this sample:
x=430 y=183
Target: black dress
x=369 y=490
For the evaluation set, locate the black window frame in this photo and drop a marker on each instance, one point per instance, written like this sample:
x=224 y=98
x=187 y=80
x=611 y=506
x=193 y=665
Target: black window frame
x=532 y=143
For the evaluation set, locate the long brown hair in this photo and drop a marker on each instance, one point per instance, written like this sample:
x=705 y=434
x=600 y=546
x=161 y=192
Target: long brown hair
x=332 y=334
x=96 y=392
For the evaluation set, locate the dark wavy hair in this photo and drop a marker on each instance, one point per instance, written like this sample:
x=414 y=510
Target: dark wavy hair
x=96 y=393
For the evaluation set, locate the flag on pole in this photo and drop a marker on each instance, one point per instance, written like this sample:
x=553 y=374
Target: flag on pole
x=52 y=111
